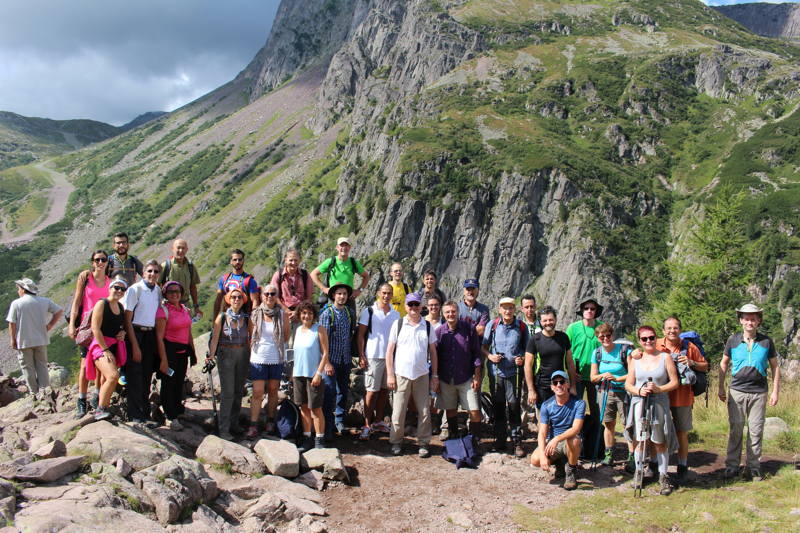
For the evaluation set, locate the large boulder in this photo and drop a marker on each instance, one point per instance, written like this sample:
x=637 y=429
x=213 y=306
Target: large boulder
x=249 y=489
x=8 y=501
x=59 y=376
x=109 y=443
x=205 y=520
x=174 y=486
x=66 y=516
x=18 y=411
x=328 y=461
x=279 y=456
x=225 y=455
x=774 y=426
x=51 y=450
x=48 y=470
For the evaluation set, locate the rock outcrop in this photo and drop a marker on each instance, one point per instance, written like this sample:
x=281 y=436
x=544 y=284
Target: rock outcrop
x=767 y=19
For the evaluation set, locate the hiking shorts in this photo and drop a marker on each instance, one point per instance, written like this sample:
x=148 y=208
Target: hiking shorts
x=452 y=395
x=307 y=394
x=561 y=452
x=259 y=371
x=682 y=417
x=615 y=405
x=375 y=375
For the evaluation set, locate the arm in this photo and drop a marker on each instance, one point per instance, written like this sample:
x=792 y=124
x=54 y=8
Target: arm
x=161 y=328
x=76 y=302
x=136 y=352
x=391 y=381
x=97 y=323
x=323 y=342
x=56 y=317
x=212 y=348
x=287 y=328
x=529 y=378
x=434 y=367
x=12 y=333
x=776 y=381
x=361 y=337
x=697 y=361
x=595 y=376
x=573 y=374
x=218 y=302
x=672 y=371
x=364 y=280
x=195 y=304
x=315 y=278
x=544 y=462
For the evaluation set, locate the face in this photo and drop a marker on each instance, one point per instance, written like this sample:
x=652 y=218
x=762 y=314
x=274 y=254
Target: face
x=121 y=245
x=151 y=273
x=434 y=306
x=237 y=300
x=340 y=296
x=237 y=262
x=99 y=261
x=548 y=322
x=173 y=294
x=647 y=338
x=451 y=313
x=470 y=294
x=529 y=310
x=269 y=296
x=412 y=309
x=118 y=291
x=180 y=248
x=385 y=295
x=605 y=338
x=672 y=330
x=589 y=311
x=560 y=386
x=343 y=249
x=429 y=281
x=306 y=316
x=507 y=311
x=396 y=272
x=292 y=262
x=750 y=321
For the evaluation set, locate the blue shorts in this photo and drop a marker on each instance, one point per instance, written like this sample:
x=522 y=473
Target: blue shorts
x=266 y=372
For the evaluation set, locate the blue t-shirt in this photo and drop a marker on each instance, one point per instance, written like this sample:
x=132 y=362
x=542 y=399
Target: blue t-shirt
x=561 y=417
x=236 y=281
x=749 y=367
x=509 y=340
x=611 y=362
x=307 y=352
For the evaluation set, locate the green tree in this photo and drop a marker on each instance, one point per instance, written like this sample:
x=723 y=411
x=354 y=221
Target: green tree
x=711 y=278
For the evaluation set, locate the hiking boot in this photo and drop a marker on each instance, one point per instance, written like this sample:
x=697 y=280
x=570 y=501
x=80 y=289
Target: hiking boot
x=101 y=413
x=424 y=452
x=365 y=433
x=175 y=425
x=397 y=449
x=683 y=473
x=81 y=409
x=731 y=473
x=650 y=469
x=630 y=464
x=305 y=443
x=94 y=401
x=569 y=478
x=252 y=432
x=319 y=442
x=664 y=483
x=224 y=435
x=560 y=469
x=608 y=458
x=519 y=451
x=754 y=474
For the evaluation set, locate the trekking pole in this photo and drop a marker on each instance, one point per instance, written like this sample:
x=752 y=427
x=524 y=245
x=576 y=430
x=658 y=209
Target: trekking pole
x=207 y=369
x=605 y=385
x=643 y=437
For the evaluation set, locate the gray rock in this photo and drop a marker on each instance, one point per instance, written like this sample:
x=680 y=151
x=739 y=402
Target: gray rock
x=68 y=516
x=256 y=525
x=327 y=460
x=205 y=520
x=460 y=518
x=299 y=507
x=124 y=469
x=51 y=450
x=48 y=470
x=250 y=489
x=8 y=501
x=110 y=443
x=279 y=456
x=6 y=488
x=18 y=411
x=59 y=376
x=312 y=479
x=216 y=451
x=774 y=426
x=305 y=524
x=268 y=507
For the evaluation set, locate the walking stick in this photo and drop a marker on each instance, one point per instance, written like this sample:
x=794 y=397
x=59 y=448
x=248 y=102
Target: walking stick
x=605 y=385
x=641 y=443
x=207 y=368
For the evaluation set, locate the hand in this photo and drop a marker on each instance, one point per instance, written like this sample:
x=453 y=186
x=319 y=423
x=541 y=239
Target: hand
x=773 y=399
x=683 y=359
x=198 y=313
x=121 y=336
x=721 y=394
x=550 y=449
x=71 y=332
x=495 y=358
x=544 y=464
x=519 y=361
x=316 y=380
x=435 y=384
x=329 y=369
x=391 y=383
x=644 y=390
x=13 y=343
x=476 y=384
x=362 y=362
x=608 y=376
x=654 y=389
x=292 y=314
x=532 y=397
x=356 y=294
x=136 y=355
x=163 y=367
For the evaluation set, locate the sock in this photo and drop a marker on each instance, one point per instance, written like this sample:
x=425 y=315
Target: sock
x=475 y=428
x=306 y=434
x=683 y=462
x=663 y=462
x=82 y=395
x=452 y=426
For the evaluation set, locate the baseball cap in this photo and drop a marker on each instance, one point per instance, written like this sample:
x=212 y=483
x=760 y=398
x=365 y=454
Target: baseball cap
x=341 y=240
x=413 y=297
x=507 y=301
x=559 y=373
x=471 y=283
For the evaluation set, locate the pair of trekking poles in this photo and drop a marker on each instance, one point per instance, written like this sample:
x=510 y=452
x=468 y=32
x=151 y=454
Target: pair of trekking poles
x=645 y=429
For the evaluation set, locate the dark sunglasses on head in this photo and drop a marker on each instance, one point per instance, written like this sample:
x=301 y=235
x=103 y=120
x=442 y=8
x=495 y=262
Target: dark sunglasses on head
x=558 y=382
x=100 y=260
x=651 y=338
x=119 y=288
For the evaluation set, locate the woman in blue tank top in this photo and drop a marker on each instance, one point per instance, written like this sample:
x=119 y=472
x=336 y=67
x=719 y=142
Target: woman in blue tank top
x=310 y=359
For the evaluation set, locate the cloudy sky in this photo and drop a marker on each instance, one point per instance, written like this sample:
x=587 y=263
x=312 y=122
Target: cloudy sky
x=732 y=2
x=111 y=60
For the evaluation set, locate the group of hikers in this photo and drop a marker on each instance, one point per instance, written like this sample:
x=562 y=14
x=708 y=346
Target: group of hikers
x=430 y=354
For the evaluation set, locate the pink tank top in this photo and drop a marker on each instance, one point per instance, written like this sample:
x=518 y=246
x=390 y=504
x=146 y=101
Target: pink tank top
x=93 y=294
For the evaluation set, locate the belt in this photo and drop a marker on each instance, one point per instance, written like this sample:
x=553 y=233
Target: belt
x=143 y=328
x=232 y=345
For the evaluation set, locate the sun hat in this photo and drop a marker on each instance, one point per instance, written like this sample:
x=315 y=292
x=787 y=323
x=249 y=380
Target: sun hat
x=28 y=285
x=592 y=300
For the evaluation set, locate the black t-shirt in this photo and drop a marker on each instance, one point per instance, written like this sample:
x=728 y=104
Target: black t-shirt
x=550 y=353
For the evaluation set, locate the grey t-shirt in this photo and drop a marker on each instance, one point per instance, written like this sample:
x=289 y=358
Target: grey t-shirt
x=29 y=313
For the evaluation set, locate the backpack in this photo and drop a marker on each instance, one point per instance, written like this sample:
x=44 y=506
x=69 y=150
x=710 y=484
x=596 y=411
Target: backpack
x=282 y=276
x=427 y=328
x=287 y=420
x=624 y=352
x=523 y=328
x=168 y=267
x=68 y=310
x=333 y=319
x=243 y=285
x=461 y=451
x=700 y=385
x=333 y=264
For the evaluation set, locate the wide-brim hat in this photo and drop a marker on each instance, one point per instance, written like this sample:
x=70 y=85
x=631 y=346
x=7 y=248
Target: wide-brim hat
x=27 y=285
x=333 y=290
x=586 y=301
x=240 y=291
x=749 y=308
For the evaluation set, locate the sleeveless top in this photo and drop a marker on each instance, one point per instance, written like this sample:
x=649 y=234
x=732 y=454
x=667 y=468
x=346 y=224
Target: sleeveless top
x=659 y=373
x=92 y=293
x=229 y=335
x=265 y=351
x=307 y=352
x=112 y=323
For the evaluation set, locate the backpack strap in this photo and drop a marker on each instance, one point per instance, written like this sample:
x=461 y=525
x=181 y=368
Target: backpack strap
x=191 y=273
x=279 y=288
x=371 y=312
x=353 y=264
x=598 y=355
x=495 y=322
x=331 y=265
x=406 y=288
x=162 y=278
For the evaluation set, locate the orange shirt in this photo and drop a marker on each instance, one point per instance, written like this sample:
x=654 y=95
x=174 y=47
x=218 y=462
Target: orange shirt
x=683 y=395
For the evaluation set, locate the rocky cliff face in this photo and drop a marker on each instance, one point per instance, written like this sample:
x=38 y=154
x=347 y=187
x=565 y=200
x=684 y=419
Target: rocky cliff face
x=770 y=20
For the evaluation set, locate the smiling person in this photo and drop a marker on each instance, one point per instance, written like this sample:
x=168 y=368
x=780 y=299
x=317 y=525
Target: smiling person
x=748 y=353
x=341 y=270
x=399 y=287
x=181 y=269
x=237 y=278
x=91 y=287
x=310 y=361
x=293 y=283
x=141 y=302
x=175 y=344
x=469 y=308
x=547 y=351
x=430 y=289
x=339 y=323
x=120 y=263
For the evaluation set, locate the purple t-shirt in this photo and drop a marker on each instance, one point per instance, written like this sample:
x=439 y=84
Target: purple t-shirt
x=458 y=352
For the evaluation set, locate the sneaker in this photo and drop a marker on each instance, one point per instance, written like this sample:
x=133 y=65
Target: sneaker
x=94 y=401
x=175 y=425
x=81 y=409
x=630 y=464
x=755 y=475
x=683 y=472
x=561 y=469
x=365 y=433
x=252 y=432
x=424 y=452
x=569 y=478
x=519 y=451
x=608 y=458
x=397 y=449
x=381 y=426
x=101 y=414
x=319 y=442
x=731 y=473
x=666 y=486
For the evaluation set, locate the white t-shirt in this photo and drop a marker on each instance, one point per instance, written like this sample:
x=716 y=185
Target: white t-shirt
x=143 y=302
x=266 y=351
x=29 y=313
x=378 y=339
x=411 y=350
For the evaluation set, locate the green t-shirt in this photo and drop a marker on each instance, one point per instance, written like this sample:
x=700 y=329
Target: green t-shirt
x=341 y=272
x=584 y=343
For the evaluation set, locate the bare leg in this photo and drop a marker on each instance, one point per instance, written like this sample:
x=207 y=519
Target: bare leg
x=272 y=397
x=255 y=401
x=111 y=374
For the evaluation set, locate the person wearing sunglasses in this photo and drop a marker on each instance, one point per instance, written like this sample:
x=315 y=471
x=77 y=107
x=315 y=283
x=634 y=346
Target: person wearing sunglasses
x=559 y=440
x=652 y=374
x=92 y=285
x=175 y=344
x=267 y=356
x=141 y=302
x=107 y=351
x=230 y=344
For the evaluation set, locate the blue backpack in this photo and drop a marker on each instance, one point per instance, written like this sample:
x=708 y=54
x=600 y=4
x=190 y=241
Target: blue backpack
x=700 y=386
x=461 y=451
x=287 y=420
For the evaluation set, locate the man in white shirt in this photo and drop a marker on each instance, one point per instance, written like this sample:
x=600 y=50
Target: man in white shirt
x=411 y=341
x=374 y=327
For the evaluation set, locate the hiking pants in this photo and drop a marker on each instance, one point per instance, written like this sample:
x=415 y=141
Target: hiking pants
x=334 y=404
x=752 y=407
x=233 y=364
x=140 y=375
x=591 y=424
x=506 y=405
x=33 y=364
x=419 y=389
x=172 y=387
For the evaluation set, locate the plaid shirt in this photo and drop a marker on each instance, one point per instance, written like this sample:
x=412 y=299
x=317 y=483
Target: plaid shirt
x=339 y=340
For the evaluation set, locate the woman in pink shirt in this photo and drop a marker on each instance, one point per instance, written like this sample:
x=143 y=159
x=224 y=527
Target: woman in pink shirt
x=174 y=341
x=91 y=287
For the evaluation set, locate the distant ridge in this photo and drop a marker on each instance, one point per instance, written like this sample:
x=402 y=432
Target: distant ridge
x=770 y=20
x=144 y=118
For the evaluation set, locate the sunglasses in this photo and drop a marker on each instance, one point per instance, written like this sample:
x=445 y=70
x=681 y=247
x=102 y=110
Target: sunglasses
x=590 y=309
x=651 y=338
x=152 y=271
x=413 y=304
x=270 y=294
x=604 y=336
x=100 y=260
x=558 y=382
x=118 y=288
x=236 y=297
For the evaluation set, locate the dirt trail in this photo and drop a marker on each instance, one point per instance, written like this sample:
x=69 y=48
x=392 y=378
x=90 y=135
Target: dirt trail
x=56 y=205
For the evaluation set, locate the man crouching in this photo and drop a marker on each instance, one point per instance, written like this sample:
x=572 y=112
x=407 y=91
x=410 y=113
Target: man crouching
x=560 y=423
